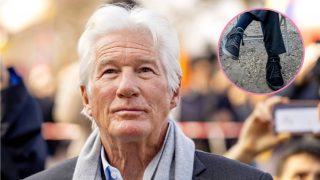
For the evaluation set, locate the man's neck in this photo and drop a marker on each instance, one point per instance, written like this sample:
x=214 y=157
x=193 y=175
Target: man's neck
x=131 y=158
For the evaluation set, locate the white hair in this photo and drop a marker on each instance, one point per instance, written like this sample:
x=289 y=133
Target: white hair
x=110 y=18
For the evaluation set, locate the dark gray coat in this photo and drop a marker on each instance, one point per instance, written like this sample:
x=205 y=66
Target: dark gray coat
x=206 y=167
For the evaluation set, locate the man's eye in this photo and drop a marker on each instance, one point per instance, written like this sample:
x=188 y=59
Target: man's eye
x=145 y=69
x=301 y=175
x=110 y=71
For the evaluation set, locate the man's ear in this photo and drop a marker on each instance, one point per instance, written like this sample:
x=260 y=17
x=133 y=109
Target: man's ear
x=85 y=99
x=175 y=98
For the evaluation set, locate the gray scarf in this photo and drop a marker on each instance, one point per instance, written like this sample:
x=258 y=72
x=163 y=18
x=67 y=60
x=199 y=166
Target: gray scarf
x=174 y=160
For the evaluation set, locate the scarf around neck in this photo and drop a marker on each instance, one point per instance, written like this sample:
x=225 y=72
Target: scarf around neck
x=173 y=161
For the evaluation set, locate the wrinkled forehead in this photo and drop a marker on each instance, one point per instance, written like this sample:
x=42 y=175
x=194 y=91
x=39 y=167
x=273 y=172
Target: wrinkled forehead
x=136 y=44
x=138 y=37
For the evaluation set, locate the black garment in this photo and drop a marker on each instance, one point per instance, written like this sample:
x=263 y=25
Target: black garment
x=244 y=20
x=272 y=36
x=206 y=166
x=23 y=150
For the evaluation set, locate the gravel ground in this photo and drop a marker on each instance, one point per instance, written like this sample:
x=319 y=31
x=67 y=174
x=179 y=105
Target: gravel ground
x=249 y=72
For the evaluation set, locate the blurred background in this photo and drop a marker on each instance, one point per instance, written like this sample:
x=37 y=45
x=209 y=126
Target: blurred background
x=39 y=39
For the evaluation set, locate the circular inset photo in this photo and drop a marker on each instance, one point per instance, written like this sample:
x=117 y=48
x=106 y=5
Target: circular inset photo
x=261 y=51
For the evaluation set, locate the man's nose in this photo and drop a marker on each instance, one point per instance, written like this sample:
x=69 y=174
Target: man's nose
x=128 y=85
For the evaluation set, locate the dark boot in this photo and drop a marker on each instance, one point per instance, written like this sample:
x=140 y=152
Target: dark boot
x=231 y=44
x=273 y=75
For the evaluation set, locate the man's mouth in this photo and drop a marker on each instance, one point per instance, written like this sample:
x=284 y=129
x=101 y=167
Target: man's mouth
x=127 y=109
x=124 y=111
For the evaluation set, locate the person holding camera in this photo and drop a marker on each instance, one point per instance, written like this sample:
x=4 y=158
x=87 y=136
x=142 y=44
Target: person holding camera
x=298 y=159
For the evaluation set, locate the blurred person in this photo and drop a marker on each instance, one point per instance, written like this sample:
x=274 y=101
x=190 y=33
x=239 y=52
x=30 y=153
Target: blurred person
x=200 y=103
x=23 y=149
x=272 y=38
x=130 y=80
x=298 y=159
x=196 y=104
x=42 y=87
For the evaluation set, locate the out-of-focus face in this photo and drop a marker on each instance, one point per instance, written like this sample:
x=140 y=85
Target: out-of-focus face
x=301 y=167
x=129 y=96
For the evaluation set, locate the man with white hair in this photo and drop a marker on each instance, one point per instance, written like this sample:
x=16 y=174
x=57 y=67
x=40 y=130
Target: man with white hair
x=130 y=80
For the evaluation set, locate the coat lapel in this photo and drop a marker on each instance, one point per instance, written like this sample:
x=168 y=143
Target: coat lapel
x=198 y=168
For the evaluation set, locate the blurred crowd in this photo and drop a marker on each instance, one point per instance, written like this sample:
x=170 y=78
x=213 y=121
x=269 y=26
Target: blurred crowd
x=41 y=123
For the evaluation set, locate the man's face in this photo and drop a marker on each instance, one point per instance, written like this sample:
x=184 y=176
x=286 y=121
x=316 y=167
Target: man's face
x=129 y=98
x=301 y=167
